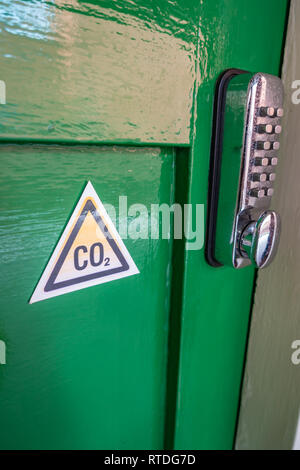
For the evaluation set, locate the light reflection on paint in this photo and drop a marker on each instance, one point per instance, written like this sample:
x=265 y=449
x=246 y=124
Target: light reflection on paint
x=77 y=70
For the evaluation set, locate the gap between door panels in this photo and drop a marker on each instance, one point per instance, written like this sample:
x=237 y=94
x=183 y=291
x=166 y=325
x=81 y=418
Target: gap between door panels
x=182 y=167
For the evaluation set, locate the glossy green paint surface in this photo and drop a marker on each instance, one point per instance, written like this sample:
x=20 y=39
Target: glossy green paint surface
x=86 y=369
x=134 y=72
x=98 y=71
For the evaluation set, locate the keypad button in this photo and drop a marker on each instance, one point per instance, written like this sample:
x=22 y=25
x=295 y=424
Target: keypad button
x=261 y=177
x=265 y=128
x=261 y=161
x=279 y=112
x=263 y=145
x=275 y=145
x=271 y=176
x=256 y=192
x=274 y=161
x=267 y=111
x=277 y=129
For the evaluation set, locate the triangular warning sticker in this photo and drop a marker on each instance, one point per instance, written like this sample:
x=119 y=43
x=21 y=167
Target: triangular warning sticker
x=89 y=252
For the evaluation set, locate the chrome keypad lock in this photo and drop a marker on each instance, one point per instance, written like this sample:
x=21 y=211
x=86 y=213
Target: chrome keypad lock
x=241 y=228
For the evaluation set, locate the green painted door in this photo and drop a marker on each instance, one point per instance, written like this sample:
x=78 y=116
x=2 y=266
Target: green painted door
x=121 y=94
x=86 y=369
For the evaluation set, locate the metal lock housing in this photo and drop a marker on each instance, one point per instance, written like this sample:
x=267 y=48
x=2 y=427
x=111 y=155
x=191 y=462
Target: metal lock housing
x=241 y=228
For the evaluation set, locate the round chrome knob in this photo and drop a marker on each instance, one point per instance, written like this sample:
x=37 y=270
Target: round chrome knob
x=259 y=240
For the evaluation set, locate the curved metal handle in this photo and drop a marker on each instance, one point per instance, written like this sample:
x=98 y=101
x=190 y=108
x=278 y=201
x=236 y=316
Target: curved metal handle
x=259 y=240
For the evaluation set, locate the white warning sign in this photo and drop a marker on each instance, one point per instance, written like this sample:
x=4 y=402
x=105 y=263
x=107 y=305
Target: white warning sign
x=89 y=252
